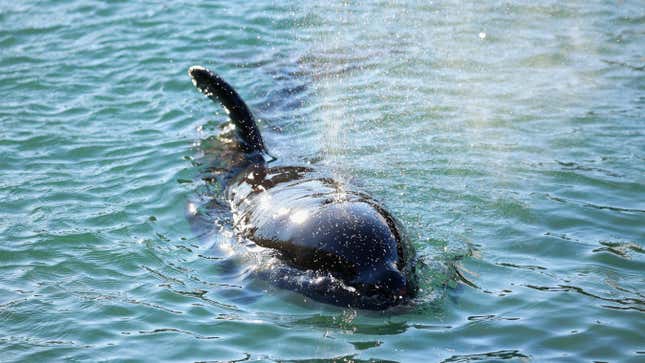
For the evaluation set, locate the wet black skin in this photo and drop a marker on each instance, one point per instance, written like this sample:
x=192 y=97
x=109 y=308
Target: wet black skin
x=353 y=250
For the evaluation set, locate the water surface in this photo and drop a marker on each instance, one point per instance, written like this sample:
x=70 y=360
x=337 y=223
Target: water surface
x=507 y=137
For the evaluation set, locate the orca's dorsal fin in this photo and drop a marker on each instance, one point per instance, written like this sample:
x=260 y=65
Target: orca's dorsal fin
x=217 y=89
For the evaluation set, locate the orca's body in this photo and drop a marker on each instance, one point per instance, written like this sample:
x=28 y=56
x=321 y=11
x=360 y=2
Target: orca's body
x=348 y=250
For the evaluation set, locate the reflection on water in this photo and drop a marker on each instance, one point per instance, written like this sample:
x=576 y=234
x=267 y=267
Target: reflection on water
x=519 y=154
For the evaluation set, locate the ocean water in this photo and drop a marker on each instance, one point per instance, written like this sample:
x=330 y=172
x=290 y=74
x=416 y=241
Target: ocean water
x=508 y=138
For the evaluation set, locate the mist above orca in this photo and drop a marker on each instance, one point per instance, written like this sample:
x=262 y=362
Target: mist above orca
x=335 y=244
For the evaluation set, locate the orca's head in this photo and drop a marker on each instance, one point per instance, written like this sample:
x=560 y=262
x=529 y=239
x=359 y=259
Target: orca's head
x=361 y=244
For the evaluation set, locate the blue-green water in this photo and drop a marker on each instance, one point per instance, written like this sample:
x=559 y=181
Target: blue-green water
x=507 y=137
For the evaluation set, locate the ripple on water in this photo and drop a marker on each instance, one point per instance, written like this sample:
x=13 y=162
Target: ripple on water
x=517 y=155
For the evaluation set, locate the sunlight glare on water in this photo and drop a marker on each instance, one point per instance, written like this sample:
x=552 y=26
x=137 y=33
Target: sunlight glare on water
x=507 y=137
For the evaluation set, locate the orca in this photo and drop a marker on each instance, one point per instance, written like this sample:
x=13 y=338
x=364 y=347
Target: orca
x=335 y=244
